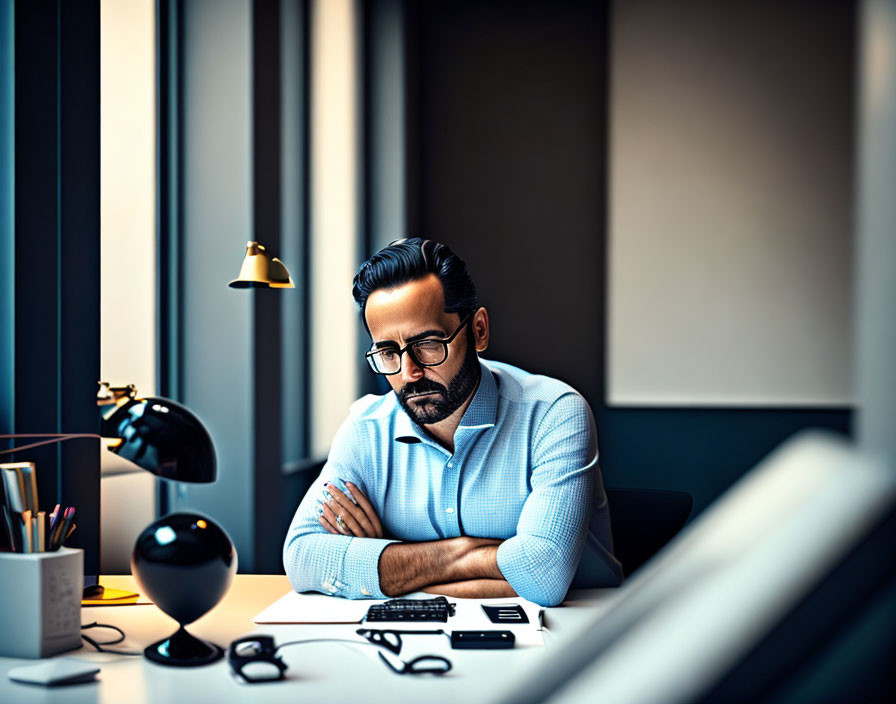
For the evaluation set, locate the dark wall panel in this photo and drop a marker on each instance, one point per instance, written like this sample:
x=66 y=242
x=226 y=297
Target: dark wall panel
x=512 y=124
x=57 y=255
x=507 y=106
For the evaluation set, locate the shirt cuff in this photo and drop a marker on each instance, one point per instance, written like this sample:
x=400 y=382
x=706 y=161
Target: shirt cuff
x=362 y=563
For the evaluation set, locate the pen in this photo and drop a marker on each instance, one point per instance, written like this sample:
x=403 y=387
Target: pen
x=67 y=527
x=53 y=516
x=56 y=534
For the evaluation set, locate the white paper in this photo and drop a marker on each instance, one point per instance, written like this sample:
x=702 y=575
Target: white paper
x=314 y=608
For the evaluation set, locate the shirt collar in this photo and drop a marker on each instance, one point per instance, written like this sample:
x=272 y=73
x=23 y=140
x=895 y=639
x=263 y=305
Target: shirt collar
x=481 y=413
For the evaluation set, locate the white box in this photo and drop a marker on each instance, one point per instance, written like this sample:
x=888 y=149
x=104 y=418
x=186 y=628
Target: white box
x=40 y=602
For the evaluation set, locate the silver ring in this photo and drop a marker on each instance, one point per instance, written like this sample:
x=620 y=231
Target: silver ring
x=340 y=520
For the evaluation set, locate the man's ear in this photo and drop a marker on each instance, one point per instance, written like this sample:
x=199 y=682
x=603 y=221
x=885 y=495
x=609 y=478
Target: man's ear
x=479 y=326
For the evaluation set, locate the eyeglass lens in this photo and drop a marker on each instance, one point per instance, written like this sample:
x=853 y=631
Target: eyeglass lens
x=260 y=671
x=425 y=352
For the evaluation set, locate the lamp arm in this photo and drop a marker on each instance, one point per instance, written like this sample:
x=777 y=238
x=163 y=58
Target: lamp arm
x=54 y=437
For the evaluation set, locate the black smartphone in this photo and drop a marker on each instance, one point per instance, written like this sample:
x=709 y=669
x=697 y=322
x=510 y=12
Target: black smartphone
x=481 y=640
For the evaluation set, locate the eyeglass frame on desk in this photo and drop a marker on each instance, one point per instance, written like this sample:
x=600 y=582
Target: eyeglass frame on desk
x=387 y=640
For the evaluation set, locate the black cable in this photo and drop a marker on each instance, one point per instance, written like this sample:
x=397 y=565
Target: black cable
x=358 y=642
x=326 y=640
x=100 y=645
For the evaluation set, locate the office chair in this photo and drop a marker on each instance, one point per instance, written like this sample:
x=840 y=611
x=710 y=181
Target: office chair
x=643 y=521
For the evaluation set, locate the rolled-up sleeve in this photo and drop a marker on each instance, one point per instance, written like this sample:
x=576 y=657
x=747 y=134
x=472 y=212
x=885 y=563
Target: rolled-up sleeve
x=539 y=562
x=338 y=565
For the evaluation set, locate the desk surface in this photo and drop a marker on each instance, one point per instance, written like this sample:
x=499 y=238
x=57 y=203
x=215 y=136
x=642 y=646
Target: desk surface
x=320 y=673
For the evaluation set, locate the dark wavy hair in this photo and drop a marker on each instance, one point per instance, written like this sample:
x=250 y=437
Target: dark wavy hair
x=411 y=259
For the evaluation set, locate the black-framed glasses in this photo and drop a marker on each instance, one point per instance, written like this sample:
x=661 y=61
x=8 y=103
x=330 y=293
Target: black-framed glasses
x=422 y=665
x=425 y=353
x=391 y=639
x=255 y=660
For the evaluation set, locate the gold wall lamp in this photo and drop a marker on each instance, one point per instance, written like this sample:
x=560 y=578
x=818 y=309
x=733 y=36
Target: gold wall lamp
x=261 y=270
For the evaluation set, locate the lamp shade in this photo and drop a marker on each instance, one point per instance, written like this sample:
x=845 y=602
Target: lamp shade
x=162 y=437
x=260 y=270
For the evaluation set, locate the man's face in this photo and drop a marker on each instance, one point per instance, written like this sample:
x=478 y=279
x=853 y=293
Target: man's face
x=416 y=311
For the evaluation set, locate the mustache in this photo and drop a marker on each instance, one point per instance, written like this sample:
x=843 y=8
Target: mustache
x=421 y=386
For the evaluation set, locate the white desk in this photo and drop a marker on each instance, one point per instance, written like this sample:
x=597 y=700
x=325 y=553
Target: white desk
x=319 y=673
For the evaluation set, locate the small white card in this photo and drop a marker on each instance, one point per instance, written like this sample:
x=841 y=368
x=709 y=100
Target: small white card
x=58 y=671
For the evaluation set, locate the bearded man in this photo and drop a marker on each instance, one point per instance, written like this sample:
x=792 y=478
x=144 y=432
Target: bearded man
x=471 y=478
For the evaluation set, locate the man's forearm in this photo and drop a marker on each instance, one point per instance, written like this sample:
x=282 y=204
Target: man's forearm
x=408 y=567
x=474 y=589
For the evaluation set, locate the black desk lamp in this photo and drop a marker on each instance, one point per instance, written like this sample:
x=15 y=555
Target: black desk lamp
x=185 y=562
x=156 y=434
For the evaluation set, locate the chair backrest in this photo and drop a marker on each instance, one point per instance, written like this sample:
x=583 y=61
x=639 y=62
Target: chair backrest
x=643 y=521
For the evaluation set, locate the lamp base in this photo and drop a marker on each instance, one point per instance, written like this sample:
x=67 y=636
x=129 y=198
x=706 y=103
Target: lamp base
x=183 y=650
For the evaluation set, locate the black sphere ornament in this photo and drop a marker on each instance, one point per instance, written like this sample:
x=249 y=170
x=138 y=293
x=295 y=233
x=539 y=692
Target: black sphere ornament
x=185 y=563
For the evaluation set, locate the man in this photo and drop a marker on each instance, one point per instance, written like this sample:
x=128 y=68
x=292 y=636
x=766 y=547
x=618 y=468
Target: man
x=470 y=478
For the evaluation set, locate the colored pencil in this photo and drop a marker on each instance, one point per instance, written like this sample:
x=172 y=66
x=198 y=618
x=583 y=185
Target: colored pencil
x=41 y=531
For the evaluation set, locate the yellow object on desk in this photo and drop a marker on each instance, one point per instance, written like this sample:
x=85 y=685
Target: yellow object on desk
x=115 y=597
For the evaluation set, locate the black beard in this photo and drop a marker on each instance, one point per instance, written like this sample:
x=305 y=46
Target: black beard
x=438 y=408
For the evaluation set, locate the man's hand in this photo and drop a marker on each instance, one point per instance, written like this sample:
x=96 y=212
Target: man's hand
x=342 y=516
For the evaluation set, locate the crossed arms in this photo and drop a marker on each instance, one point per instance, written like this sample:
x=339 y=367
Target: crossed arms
x=537 y=563
x=459 y=567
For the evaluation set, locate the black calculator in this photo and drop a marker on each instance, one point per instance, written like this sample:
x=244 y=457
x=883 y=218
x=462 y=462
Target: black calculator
x=437 y=609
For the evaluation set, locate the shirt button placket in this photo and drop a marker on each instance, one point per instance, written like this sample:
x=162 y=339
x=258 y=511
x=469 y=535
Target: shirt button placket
x=451 y=483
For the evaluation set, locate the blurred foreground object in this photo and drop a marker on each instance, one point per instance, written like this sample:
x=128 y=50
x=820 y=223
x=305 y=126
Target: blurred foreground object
x=747 y=595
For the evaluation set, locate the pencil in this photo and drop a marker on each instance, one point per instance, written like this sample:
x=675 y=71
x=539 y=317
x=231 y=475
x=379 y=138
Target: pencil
x=41 y=531
x=56 y=530
x=67 y=527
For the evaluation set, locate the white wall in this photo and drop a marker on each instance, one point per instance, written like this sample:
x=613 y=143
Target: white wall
x=730 y=245
x=335 y=175
x=127 y=252
x=876 y=222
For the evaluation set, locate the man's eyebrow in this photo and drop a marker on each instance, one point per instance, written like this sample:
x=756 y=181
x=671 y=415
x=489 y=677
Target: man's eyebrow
x=424 y=334
x=413 y=338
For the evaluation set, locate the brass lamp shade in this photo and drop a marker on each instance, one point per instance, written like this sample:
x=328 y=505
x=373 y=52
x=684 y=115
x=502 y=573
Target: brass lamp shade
x=260 y=270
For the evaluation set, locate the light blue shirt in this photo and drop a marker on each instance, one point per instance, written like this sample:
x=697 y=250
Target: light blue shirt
x=524 y=470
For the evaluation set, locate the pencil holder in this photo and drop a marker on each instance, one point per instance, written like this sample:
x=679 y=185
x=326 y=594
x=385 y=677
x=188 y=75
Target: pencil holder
x=40 y=602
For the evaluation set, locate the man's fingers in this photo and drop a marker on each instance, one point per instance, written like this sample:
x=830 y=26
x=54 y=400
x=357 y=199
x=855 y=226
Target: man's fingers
x=340 y=527
x=347 y=524
x=349 y=510
x=368 y=509
x=325 y=522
